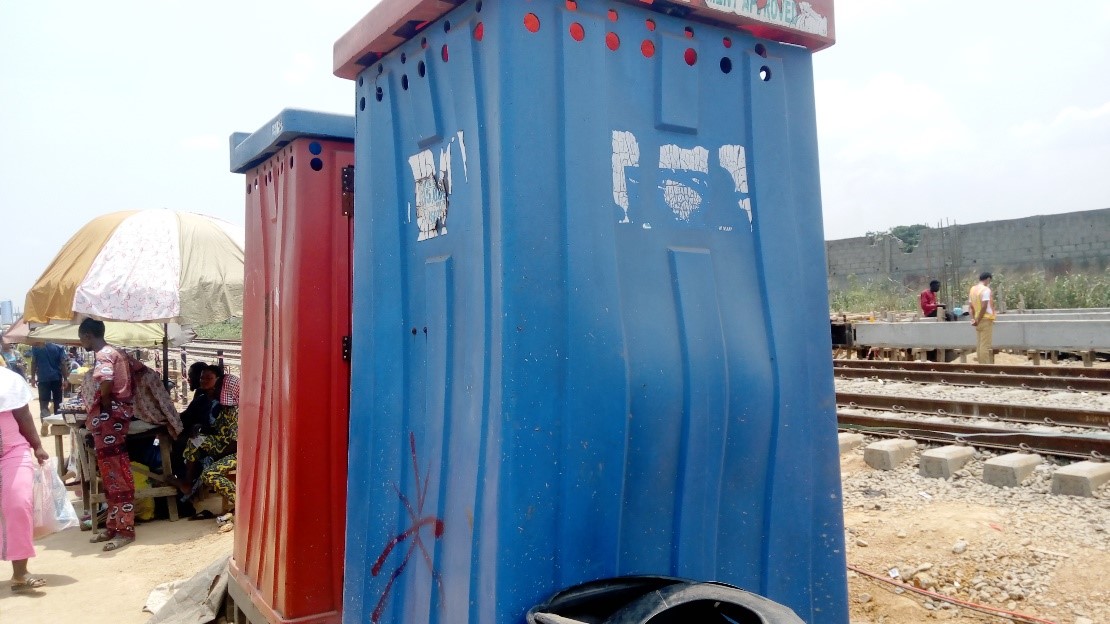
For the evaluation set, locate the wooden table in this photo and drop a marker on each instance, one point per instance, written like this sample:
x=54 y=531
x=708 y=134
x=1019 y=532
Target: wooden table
x=89 y=473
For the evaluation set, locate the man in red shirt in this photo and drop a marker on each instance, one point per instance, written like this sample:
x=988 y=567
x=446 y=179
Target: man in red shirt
x=929 y=299
x=929 y=303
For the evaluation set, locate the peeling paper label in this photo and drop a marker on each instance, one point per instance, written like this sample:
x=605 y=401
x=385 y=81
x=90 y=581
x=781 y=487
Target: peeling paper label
x=682 y=190
x=683 y=199
x=432 y=191
x=735 y=162
x=462 y=150
x=433 y=188
x=626 y=153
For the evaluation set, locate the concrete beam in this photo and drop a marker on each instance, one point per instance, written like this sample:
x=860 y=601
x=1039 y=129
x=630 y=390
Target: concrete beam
x=849 y=441
x=888 y=454
x=1010 y=470
x=1014 y=334
x=1081 y=478
x=943 y=462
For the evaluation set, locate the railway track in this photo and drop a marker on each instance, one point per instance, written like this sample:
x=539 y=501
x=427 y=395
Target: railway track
x=231 y=352
x=961 y=378
x=1059 y=431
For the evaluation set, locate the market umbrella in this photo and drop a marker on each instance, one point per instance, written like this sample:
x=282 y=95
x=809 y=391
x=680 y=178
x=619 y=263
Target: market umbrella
x=144 y=266
x=118 y=334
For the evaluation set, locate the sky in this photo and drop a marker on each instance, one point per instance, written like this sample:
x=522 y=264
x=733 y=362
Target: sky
x=937 y=111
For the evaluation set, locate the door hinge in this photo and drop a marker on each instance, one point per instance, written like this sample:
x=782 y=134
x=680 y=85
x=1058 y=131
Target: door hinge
x=347 y=180
x=345 y=348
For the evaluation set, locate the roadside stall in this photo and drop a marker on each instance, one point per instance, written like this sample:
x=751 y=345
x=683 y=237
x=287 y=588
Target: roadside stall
x=151 y=271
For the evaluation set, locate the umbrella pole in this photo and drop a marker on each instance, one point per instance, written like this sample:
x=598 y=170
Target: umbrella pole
x=165 y=351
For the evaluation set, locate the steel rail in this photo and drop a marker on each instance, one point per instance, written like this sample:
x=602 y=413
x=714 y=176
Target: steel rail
x=960 y=378
x=1003 y=412
x=998 y=369
x=1058 y=444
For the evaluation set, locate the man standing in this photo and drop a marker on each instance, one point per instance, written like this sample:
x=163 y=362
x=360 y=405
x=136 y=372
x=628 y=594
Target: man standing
x=48 y=364
x=109 y=418
x=982 y=317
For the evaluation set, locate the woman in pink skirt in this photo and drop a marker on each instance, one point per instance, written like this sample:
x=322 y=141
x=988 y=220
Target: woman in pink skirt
x=20 y=447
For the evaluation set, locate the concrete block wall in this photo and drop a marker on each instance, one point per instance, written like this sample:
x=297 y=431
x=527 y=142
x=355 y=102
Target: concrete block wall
x=1075 y=242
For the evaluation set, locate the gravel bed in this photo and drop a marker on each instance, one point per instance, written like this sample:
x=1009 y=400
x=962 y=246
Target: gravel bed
x=925 y=419
x=1010 y=564
x=1020 y=396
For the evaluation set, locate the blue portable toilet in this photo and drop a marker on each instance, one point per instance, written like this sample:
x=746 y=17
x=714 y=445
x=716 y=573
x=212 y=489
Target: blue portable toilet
x=590 y=330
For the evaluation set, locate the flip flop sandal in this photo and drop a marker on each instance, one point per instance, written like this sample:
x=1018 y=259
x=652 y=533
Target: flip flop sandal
x=102 y=536
x=32 y=582
x=204 y=515
x=116 y=543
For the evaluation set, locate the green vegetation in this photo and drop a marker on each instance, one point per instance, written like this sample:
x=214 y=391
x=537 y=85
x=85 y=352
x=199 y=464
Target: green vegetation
x=1065 y=291
x=864 y=297
x=909 y=235
x=228 y=330
x=1039 y=292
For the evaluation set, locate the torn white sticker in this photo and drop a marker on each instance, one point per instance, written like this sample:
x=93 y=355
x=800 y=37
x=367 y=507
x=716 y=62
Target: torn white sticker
x=682 y=199
x=678 y=158
x=462 y=150
x=735 y=162
x=432 y=192
x=626 y=153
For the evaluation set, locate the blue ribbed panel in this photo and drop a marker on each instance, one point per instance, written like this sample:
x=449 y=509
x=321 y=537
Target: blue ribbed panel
x=621 y=373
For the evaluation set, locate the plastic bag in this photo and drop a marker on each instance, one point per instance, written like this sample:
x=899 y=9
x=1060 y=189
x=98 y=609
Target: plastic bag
x=52 y=511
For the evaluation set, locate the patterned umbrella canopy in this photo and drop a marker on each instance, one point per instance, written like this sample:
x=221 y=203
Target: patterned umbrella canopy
x=144 y=266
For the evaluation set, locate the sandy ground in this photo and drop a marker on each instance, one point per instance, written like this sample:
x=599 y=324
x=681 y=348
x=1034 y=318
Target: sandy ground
x=902 y=535
x=79 y=574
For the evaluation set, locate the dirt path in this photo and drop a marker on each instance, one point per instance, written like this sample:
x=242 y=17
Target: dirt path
x=80 y=574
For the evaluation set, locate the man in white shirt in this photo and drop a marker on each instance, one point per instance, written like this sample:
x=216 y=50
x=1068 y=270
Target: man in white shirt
x=982 y=317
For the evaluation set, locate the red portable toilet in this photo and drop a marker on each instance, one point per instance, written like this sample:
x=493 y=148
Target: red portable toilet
x=287 y=564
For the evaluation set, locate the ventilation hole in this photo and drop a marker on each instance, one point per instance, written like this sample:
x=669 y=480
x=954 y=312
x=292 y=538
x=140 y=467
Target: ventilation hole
x=378 y=93
x=765 y=73
x=405 y=82
x=381 y=68
x=612 y=15
x=403 y=58
x=691 y=56
x=650 y=24
x=360 y=81
x=443 y=52
x=612 y=41
x=647 y=48
x=572 y=5
x=478 y=7
x=447 y=26
x=315 y=148
x=577 y=32
x=316 y=164
x=761 y=50
x=290 y=162
x=726 y=65
x=362 y=104
x=424 y=43
x=413 y=331
x=422 y=69
x=689 y=32
x=728 y=42
x=531 y=22
x=248 y=188
x=479 y=31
